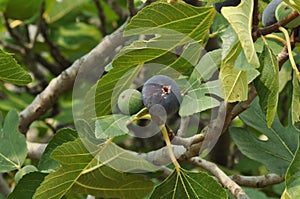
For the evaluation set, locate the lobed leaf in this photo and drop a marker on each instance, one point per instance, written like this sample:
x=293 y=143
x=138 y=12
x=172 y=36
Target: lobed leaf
x=240 y=18
x=277 y=151
x=82 y=172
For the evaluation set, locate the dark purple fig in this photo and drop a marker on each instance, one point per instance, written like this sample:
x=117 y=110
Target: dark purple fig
x=161 y=90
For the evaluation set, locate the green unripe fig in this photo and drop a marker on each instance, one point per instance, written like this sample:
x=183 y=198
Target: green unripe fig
x=130 y=101
x=25 y=170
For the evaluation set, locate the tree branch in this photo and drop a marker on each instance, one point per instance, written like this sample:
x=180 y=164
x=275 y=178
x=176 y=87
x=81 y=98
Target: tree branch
x=101 y=16
x=45 y=100
x=258 y=181
x=35 y=150
x=233 y=187
x=131 y=8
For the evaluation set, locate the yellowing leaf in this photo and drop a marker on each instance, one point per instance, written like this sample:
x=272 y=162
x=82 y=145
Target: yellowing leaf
x=235 y=83
x=240 y=18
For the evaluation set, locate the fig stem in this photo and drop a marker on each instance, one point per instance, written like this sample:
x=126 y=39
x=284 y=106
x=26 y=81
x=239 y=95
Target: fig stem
x=271 y=36
x=288 y=43
x=169 y=146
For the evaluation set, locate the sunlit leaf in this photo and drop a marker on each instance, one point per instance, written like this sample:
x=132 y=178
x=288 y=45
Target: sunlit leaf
x=62 y=136
x=11 y=71
x=162 y=18
x=188 y=184
x=199 y=98
x=234 y=82
x=111 y=125
x=82 y=172
x=240 y=18
x=267 y=84
x=277 y=150
x=13 y=150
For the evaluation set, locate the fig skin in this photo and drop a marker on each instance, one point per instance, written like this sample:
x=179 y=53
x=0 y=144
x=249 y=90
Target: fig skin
x=164 y=91
x=130 y=101
x=268 y=16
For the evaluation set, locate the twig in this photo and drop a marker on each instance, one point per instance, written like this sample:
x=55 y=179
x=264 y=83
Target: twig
x=122 y=13
x=101 y=16
x=275 y=27
x=131 y=8
x=161 y=156
x=257 y=181
x=255 y=17
x=4 y=188
x=44 y=101
x=35 y=150
x=234 y=188
x=54 y=50
x=188 y=142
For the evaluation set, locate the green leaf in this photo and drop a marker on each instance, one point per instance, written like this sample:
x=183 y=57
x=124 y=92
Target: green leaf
x=267 y=84
x=296 y=102
x=198 y=98
x=27 y=186
x=188 y=184
x=277 y=151
x=13 y=148
x=177 y=18
x=234 y=82
x=62 y=136
x=11 y=71
x=240 y=18
x=81 y=172
x=22 y=9
x=111 y=125
x=55 y=10
x=292 y=178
